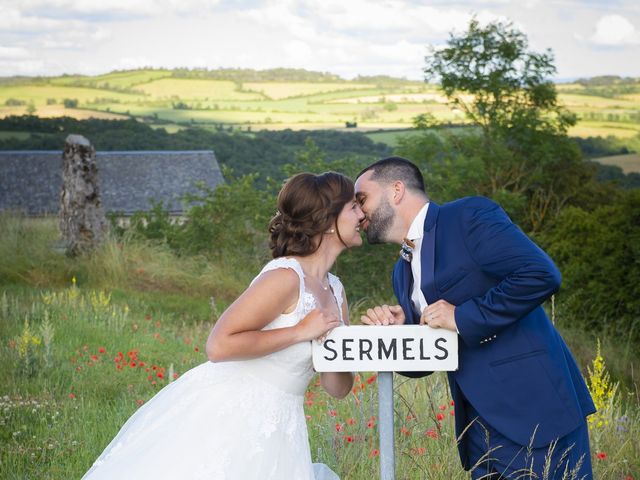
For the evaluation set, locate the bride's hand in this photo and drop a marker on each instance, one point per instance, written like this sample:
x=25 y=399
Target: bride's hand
x=316 y=324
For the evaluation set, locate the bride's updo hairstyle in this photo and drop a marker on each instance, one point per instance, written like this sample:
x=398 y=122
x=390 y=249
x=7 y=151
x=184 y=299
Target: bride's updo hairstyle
x=308 y=206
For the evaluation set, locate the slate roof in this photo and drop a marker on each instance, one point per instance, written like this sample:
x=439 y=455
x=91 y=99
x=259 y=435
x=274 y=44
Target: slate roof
x=31 y=181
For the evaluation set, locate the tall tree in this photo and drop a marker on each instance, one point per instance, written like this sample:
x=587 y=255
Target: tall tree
x=521 y=154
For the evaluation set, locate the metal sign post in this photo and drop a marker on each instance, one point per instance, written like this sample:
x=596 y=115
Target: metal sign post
x=385 y=349
x=385 y=426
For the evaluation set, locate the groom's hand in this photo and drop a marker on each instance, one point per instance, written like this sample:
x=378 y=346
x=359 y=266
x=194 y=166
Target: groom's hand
x=440 y=314
x=383 y=315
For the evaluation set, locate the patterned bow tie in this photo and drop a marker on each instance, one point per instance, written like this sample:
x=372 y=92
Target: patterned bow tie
x=406 y=251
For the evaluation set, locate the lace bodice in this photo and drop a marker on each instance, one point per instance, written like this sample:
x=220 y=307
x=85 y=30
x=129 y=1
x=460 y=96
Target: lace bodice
x=290 y=369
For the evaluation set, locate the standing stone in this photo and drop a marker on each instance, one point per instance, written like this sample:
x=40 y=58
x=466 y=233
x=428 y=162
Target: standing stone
x=82 y=221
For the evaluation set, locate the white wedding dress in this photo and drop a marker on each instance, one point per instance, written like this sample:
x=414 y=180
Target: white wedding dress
x=241 y=420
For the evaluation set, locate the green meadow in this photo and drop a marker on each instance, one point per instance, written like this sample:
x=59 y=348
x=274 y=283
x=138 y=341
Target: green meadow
x=276 y=101
x=88 y=340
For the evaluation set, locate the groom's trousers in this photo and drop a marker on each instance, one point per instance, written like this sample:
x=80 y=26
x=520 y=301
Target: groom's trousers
x=495 y=457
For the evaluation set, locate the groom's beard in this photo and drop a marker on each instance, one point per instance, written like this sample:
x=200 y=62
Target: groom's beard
x=380 y=223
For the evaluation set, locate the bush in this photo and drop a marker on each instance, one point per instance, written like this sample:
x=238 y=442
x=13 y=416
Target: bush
x=598 y=254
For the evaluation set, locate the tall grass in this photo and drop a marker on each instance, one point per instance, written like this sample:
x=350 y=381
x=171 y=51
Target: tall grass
x=85 y=341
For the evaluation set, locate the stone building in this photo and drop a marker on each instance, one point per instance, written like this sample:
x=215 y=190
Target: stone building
x=30 y=181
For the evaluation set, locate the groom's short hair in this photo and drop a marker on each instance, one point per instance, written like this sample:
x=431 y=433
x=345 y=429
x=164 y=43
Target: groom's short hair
x=391 y=169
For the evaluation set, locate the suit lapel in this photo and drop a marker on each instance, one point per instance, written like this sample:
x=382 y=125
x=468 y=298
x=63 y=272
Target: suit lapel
x=427 y=254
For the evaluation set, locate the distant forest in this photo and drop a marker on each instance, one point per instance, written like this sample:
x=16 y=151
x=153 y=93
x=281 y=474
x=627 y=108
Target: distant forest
x=262 y=152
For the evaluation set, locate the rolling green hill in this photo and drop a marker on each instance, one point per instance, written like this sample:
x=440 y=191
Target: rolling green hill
x=287 y=98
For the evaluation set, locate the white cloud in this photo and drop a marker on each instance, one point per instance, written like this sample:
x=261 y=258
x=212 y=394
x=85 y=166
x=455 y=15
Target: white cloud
x=615 y=30
x=13 y=53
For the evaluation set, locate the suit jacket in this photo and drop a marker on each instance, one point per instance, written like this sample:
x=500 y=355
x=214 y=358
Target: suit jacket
x=514 y=367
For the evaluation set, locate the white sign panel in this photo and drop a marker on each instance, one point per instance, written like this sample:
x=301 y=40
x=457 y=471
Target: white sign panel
x=393 y=348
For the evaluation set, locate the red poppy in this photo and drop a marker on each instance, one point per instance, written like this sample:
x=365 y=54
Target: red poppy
x=351 y=421
x=405 y=431
x=440 y=417
x=452 y=403
x=309 y=403
x=349 y=439
x=431 y=433
x=442 y=407
x=196 y=349
x=372 y=378
x=374 y=453
x=102 y=350
x=338 y=427
x=139 y=402
x=160 y=375
x=371 y=424
x=333 y=413
x=175 y=375
x=452 y=413
x=601 y=456
x=72 y=396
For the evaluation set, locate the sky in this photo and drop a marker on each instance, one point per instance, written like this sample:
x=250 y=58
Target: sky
x=344 y=37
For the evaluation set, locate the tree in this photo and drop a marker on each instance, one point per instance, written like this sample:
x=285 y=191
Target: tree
x=522 y=154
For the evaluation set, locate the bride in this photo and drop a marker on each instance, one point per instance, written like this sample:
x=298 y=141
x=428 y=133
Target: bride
x=240 y=415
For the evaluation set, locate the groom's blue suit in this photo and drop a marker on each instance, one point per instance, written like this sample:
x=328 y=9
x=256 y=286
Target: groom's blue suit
x=514 y=368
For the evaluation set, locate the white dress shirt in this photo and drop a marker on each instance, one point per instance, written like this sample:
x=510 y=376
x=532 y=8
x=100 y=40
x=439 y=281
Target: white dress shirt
x=415 y=234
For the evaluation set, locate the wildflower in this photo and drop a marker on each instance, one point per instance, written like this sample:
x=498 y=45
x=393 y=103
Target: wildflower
x=601 y=389
x=442 y=407
x=333 y=413
x=372 y=379
x=94 y=358
x=308 y=417
x=371 y=424
x=405 y=431
x=160 y=375
x=440 y=417
x=351 y=421
x=349 y=439
x=338 y=427
x=72 y=396
x=175 y=375
x=452 y=413
x=452 y=403
x=410 y=417
x=431 y=433
x=374 y=453
x=102 y=350
x=418 y=451
x=601 y=456
x=139 y=402
x=196 y=349
x=309 y=403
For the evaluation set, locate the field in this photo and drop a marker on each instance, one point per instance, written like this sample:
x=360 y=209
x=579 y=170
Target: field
x=160 y=96
x=87 y=341
x=629 y=163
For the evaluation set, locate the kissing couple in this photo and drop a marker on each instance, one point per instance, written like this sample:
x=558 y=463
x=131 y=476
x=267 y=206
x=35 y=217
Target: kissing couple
x=520 y=399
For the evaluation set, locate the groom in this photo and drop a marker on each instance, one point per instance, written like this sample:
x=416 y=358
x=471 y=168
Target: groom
x=467 y=268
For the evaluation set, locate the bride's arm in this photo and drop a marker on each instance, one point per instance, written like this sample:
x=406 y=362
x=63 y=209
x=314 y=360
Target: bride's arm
x=338 y=384
x=237 y=335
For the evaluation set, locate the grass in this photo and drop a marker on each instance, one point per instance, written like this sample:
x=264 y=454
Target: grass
x=282 y=90
x=65 y=390
x=189 y=89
